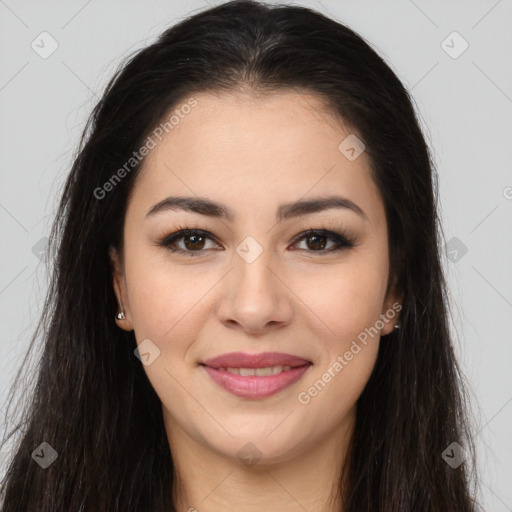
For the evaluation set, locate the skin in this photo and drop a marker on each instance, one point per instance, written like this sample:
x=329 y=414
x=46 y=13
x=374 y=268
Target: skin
x=253 y=153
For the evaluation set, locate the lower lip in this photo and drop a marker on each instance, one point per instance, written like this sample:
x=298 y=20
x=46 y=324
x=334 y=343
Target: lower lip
x=255 y=387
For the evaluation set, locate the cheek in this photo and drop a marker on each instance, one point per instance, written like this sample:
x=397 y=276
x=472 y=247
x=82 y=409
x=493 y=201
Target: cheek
x=349 y=305
x=166 y=308
x=346 y=300
x=166 y=304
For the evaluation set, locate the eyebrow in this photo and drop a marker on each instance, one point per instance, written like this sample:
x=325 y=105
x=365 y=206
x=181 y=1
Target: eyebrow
x=204 y=206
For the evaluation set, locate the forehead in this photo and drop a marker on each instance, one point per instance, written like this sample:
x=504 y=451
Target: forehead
x=257 y=148
x=275 y=126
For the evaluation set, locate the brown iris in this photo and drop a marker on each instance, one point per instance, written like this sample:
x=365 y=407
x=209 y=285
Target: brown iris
x=317 y=244
x=197 y=242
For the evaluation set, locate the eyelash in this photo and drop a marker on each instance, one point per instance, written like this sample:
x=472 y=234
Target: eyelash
x=342 y=242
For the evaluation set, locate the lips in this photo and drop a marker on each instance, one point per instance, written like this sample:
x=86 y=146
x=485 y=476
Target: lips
x=242 y=360
x=238 y=373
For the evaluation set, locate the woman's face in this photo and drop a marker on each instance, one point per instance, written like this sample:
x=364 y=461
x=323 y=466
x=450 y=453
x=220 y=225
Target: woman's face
x=244 y=285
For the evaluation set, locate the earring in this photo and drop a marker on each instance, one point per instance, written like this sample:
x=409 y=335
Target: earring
x=120 y=316
x=397 y=325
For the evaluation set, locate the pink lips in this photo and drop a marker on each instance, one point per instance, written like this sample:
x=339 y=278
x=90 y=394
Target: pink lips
x=255 y=387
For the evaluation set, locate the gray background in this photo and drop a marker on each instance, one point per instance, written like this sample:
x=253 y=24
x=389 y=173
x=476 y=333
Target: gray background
x=465 y=104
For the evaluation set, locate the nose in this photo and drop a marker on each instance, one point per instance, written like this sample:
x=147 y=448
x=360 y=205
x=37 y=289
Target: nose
x=255 y=297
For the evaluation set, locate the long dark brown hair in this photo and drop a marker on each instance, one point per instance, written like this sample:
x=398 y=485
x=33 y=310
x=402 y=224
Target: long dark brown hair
x=91 y=400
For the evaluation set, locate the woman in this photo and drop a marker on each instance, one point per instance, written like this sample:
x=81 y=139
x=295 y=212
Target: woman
x=248 y=308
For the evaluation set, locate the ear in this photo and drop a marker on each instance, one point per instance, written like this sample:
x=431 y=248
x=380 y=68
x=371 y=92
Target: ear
x=120 y=289
x=392 y=306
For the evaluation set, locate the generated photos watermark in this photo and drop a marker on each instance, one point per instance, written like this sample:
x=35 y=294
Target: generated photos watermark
x=305 y=397
x=150 y=143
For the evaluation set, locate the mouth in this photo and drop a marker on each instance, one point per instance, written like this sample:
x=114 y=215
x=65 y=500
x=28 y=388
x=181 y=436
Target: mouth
x=255 y=376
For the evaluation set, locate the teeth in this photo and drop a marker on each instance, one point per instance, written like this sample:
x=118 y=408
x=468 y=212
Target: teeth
x=269 y=370
x=259 y=372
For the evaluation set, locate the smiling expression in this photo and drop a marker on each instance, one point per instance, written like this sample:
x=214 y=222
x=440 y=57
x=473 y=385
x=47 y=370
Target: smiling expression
x=251 y=176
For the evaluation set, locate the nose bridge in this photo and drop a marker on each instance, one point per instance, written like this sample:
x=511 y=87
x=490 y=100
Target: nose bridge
x=253 y=261
x=254 y=297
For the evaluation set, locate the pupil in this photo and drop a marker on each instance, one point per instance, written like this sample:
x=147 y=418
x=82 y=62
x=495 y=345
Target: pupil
x=194 y=246
x=321 y=245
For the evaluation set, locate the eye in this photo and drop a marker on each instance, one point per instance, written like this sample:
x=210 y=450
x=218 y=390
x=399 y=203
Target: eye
x=194 y=241
x=317 y=240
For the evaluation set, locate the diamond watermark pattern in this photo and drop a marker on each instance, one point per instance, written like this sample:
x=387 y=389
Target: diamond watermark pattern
x=147 y=352
x=44 y=455
x=39 y=249
x=454 y=455
x=249 y=454
x=249 y=250
x=455 y=249
x=351 y=147
x=44 y=45
x=454 y=45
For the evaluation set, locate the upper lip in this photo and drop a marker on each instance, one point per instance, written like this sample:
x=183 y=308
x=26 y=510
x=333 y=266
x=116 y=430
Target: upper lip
x=243 y=360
